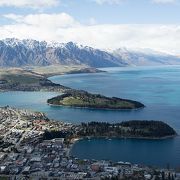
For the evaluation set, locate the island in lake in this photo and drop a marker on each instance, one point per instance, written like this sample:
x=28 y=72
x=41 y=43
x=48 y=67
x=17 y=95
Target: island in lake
x=36 y=79
x=84 y=99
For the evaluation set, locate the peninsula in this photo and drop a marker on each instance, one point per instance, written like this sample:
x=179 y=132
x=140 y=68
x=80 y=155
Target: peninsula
x=36 y=78
x=35 y=147
x=128 y=129
x=84 y=99
x=18 y=79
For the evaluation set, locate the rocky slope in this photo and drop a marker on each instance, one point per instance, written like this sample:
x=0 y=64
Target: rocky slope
x=17 y=53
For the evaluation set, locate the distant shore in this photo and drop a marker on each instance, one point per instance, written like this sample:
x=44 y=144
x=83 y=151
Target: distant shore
x=36 y=78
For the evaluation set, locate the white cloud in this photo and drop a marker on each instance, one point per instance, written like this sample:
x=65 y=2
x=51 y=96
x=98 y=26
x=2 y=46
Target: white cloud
x=62 y=20
x=29 y=3
x=164 y=1
x=119 y=1
x=63 y=28
x=107 y=1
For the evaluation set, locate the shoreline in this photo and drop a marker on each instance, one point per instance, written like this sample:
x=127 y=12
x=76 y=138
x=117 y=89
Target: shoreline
x=83 y=71
x=73 y=141
x=110 y=109
x=130 y=137
x=59 y=88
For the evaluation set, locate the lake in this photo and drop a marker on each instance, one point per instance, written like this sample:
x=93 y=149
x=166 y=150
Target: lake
x=157 y=87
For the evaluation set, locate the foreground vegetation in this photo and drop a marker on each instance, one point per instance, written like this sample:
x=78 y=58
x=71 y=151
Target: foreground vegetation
x=85 y=99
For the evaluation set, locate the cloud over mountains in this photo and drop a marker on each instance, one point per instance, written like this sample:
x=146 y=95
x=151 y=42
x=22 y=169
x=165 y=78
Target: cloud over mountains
x=63 y=27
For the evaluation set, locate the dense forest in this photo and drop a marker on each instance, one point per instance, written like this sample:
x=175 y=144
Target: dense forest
x=126 y=129
x=144 y=129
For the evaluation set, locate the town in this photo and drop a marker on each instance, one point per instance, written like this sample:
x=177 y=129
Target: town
x=27 y=151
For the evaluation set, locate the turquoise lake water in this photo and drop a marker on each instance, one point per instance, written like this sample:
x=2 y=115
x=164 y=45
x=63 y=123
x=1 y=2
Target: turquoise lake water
x=157 y=87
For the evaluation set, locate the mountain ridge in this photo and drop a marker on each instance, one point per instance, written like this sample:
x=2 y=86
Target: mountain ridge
x=17 y=53
x=144 y=57
x=29 y=52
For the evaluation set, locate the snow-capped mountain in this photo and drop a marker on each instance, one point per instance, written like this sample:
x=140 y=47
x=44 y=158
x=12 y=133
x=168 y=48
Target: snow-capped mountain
x=142 y=57
x=15 y=53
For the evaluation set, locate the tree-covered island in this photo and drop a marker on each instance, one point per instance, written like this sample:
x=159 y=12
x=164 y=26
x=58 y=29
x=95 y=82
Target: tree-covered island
x=84 y=99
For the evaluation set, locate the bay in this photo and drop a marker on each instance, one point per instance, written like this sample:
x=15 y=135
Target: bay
x=157 y=153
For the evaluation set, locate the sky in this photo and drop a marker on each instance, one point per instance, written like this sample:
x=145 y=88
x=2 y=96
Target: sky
x=104 y=24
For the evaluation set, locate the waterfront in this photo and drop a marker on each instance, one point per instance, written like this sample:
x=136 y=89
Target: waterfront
x=158 y=153
x=156 y=87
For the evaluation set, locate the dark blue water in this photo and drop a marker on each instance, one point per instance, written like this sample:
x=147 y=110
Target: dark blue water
x=157 y=87
x=145 y=152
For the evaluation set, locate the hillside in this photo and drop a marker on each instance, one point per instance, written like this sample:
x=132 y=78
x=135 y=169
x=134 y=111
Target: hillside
x=16 y=79
x=54 y=70
x=145 y=57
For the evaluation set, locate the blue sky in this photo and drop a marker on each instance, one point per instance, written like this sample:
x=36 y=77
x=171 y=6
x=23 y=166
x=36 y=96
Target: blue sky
x=99 y=23
x=126 y=11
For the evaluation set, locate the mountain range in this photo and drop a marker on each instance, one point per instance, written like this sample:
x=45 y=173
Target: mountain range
x=28 y=52
x=145 y=57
